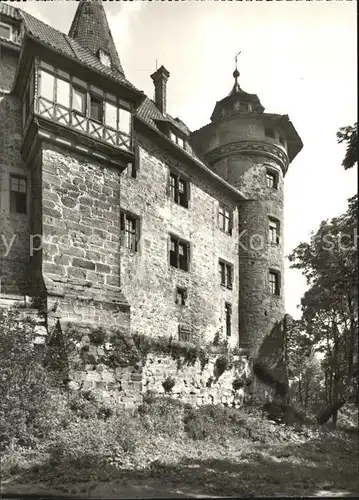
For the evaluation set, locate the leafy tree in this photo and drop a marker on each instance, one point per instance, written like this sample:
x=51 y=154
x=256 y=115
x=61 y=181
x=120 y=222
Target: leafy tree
x=349 y=135
x=22 y=379
x=330 y=305
x=304 y=370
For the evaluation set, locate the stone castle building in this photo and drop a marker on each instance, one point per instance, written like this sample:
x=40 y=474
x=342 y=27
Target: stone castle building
x=114 y=213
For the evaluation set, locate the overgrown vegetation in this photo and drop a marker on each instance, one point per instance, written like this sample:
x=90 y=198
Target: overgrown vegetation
x=322 y=347
x=119 y=349
x=54 y=435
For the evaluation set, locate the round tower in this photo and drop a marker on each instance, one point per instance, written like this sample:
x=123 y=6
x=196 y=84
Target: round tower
x=251 y=150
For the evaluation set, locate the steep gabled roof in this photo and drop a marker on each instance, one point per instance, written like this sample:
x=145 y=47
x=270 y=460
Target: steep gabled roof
x=91 y=30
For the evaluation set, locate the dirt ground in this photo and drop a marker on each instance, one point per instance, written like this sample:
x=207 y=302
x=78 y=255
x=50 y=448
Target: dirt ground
x=317 y=467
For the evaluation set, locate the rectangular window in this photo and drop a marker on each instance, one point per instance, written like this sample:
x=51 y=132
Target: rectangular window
x=228 y=313
x=47 y=85
x=79 y=100
x=5 y=31
x=96 y=110
x=274 y=283
x=130 y=228
x=124 y=121
x=111 y=115
x=225 y=220
x=271 y=179
x=184 y=333
x=179 y=253
x=177 y=140
x=226 y=274
x=18 y=194
x=63 y=93
x=179 y=190
x=181 y=296
x=273 y=231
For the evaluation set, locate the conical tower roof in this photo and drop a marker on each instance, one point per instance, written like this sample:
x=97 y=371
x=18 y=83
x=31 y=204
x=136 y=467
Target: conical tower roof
x=90 y=28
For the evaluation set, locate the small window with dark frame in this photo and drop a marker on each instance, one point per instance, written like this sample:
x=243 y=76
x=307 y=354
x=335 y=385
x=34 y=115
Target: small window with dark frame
x=274 y=283
x=179 y=253
x=271 y=179
x=18 y=194
x=269 y=132
x=179 y=190
x=185 y=333
x=178 y=140
x=130 y=229
x=181 y=296
x=273 y=231
x=225 y=220
x=226 y=274
x=96 y=108
x=228 y=313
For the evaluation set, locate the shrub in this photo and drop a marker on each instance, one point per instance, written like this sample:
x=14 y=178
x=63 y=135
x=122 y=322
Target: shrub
x=97 y=336
x=221 y=365
x=91 y=404
x=238 y=383
x=215 y=422
x=162 y=415
x=25 y=386
x=94 y=442
x=168 y=384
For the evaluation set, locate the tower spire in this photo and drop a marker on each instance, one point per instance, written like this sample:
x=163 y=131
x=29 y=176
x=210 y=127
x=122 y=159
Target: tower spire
x=90 y=28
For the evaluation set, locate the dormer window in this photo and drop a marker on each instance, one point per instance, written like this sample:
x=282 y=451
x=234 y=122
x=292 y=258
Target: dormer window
x=5 y=31
x=178 y=140
x=105 y=58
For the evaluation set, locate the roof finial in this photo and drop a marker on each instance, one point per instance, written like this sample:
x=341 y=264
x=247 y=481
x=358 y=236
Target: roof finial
x=236 y=88
x=236 y=72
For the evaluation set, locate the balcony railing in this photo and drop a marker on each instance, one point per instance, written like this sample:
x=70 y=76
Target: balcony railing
x=82 y=123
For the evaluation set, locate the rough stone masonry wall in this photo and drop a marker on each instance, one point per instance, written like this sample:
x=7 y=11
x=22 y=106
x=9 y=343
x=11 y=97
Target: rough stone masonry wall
x=193 y=384
x=148 y=281
x=81 y=239
x=13 y=264
x=260 y=310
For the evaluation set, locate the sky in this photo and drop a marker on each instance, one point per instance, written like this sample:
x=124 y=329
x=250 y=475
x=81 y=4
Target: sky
x=299 y=57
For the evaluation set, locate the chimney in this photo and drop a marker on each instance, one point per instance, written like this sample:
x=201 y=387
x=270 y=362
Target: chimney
x=160 y=78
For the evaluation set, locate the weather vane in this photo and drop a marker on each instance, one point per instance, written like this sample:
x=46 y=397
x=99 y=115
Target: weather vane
x=236 y=57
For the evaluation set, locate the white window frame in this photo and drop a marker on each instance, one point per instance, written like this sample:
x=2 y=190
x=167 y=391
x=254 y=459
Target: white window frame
x=11 y=30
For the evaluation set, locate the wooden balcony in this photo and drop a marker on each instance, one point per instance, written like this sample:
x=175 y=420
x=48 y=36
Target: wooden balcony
x=83 y=124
